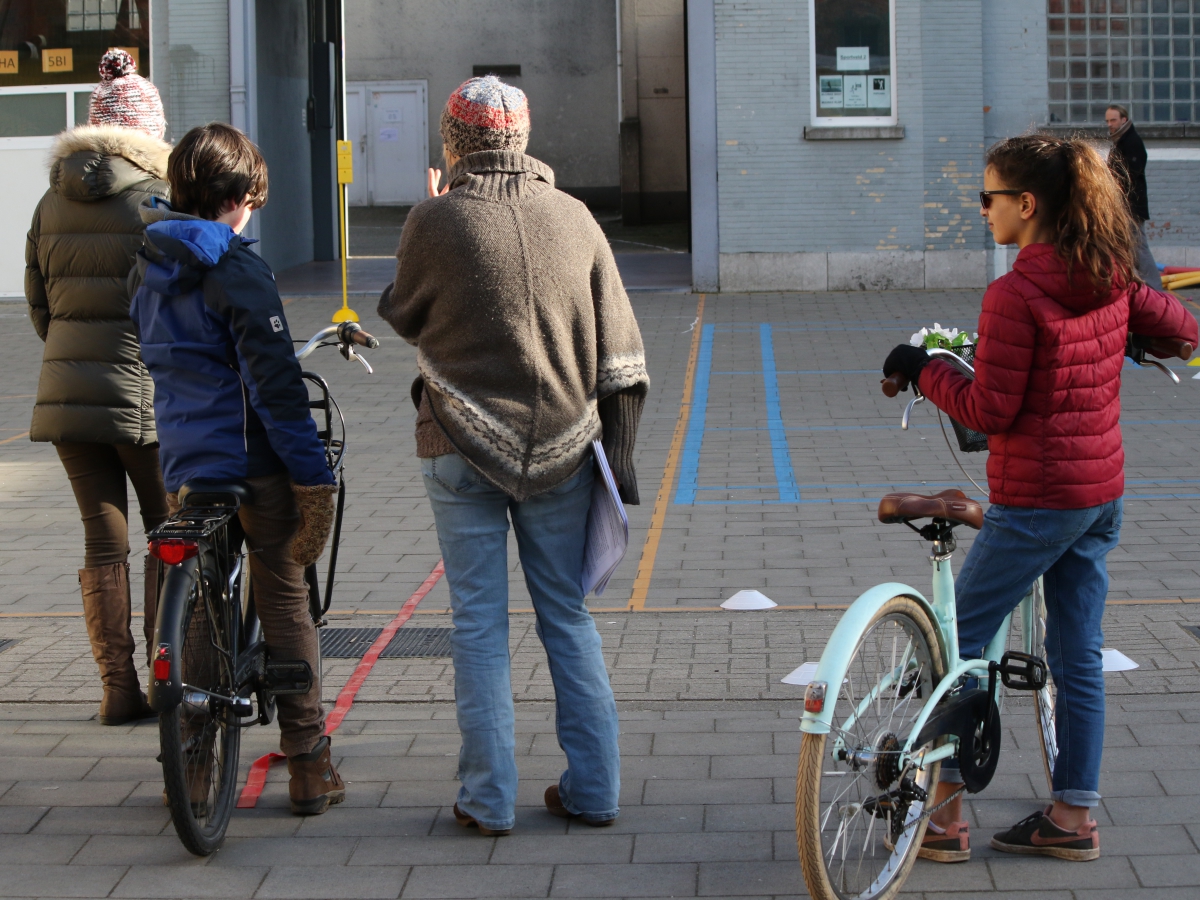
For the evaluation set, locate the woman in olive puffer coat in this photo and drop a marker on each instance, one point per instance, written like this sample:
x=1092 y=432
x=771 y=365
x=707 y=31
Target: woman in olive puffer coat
x=95 y=399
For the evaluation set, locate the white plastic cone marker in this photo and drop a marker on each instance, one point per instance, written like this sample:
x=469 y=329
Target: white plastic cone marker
x=749 y=600
x=801 y=676
x=1116 y=661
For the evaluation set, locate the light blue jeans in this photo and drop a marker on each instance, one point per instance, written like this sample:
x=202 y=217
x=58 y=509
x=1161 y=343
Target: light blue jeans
x=1068 y=547
x=472 y=525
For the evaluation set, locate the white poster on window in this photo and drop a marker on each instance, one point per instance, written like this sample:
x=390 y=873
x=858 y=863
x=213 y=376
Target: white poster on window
x=880 y=94
x=855 y=91
x=831 y=91
x=853 y=59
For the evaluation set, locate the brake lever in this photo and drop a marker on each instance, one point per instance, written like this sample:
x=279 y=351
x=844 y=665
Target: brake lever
x=1158 y=365
x=909 y=408
x=362 y=359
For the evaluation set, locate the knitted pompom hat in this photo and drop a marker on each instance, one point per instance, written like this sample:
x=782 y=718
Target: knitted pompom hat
x=125 y=98
x=485 y=114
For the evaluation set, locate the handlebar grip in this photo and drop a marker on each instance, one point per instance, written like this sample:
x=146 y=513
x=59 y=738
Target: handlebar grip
x=894 y=384
x=1169 y=348
x=363 y=339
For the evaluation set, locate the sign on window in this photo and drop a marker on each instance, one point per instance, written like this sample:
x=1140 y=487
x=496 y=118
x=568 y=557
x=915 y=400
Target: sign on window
x=852 y=60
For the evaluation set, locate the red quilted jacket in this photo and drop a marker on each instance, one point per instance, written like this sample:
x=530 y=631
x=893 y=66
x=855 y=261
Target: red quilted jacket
x=1047 y=388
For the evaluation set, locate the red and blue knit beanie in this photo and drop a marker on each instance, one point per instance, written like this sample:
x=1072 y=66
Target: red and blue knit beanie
x=485 y=114
x=125 y=98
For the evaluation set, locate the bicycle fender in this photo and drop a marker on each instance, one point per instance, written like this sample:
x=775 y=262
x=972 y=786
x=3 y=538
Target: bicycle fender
x=168 y=633
x=836 y=657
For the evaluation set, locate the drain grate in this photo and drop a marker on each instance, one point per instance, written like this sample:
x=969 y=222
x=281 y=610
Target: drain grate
x=415 y=642
x=1193 y=630
x=347 y=643
x=5 y=643
x=409 y=643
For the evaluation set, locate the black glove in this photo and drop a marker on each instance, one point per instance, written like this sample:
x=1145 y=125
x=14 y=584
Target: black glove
x=907 y=360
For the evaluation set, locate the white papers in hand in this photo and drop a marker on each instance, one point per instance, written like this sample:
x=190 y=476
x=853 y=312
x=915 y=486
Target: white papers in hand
x=607 y=528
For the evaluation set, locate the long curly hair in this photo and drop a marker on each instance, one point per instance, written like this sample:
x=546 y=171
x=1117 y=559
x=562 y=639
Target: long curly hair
x=1079 y=196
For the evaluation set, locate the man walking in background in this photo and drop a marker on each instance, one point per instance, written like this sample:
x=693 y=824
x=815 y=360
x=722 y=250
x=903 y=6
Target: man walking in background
x=1128 y=162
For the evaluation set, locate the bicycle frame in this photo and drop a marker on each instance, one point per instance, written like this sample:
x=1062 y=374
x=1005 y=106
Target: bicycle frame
x=839 y=651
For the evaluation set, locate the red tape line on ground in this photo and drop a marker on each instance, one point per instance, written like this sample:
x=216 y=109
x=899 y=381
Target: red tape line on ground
x=257 y=779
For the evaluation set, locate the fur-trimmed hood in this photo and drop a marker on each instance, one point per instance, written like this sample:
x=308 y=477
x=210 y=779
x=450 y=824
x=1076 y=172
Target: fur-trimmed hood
x=91 y=162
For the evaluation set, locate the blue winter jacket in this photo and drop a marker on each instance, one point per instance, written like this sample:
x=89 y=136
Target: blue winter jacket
x=228 y=397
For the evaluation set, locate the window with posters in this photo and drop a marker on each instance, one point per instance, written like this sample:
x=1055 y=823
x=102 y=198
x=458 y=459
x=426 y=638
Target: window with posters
x=852 y=47
x=61 y=41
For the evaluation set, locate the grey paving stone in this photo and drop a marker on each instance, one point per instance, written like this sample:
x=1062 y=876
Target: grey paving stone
x=274 y=851
x=342 y=821
x=733 y=879
x=710 y=790
x=134 y=850
x=428 y=882
x=633 y=880
x=18 y=820
x=196 y=880
x=426 y=850
x=1180 y=870
x=329 y=882
x=706 y=847
x=1031 y=873
x=67 y=793
x=750 y=817
x=58 y=881
x=577 y=847
x=21 y=849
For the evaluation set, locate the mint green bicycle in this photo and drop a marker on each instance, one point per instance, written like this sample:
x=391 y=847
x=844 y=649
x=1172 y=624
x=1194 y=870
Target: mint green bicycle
x=890 y=699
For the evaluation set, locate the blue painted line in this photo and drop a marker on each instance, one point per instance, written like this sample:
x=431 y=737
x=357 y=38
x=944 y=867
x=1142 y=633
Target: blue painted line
x=875 y=500
x=812 y=372
x=785 y=478
x=690 y=463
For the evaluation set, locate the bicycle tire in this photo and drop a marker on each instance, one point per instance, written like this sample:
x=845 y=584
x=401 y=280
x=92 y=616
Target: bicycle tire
x=200 y=744
x=1043 y=700
x=818 y=774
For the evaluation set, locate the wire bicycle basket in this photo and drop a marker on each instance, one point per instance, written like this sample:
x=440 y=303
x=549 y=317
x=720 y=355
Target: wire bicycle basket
x=969 y=440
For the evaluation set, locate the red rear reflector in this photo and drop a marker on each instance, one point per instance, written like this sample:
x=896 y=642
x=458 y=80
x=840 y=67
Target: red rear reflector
x=162 y=663
x=173 y=551
x=814 y=697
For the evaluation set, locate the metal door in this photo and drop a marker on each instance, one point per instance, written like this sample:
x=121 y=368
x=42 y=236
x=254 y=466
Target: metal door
x=397 y=143
x=357 y=192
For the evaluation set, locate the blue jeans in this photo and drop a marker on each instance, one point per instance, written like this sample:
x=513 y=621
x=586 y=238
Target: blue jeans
x=472 y=526
x=1068 y=547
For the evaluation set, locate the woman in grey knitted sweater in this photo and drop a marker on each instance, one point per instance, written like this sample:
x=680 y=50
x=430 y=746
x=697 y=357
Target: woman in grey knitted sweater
x=528 y=350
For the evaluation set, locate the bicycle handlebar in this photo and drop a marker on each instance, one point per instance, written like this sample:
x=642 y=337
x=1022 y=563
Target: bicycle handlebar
x=1161 y=348
x=354 y=332
x=894 y=384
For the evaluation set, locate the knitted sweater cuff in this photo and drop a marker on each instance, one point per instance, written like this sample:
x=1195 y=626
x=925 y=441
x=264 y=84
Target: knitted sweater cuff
x=619 y=416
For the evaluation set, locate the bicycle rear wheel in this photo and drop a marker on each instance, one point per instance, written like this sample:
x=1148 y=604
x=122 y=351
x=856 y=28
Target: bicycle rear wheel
x=200 y=737
x=859 y=816
x=1044 y=699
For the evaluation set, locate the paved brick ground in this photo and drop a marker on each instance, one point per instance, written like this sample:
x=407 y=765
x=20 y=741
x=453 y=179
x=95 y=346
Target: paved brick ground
x=709 y=732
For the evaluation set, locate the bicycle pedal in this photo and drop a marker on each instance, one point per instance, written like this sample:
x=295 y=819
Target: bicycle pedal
x=1022 y=671
x=285 y=677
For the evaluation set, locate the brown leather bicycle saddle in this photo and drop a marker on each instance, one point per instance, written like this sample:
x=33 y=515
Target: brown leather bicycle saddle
x=954 y=506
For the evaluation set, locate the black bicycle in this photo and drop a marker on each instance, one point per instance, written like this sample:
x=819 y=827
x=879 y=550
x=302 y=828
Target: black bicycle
x=212 y=675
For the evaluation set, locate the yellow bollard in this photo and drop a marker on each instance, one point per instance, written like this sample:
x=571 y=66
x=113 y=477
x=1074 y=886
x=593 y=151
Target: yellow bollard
x=345 y=176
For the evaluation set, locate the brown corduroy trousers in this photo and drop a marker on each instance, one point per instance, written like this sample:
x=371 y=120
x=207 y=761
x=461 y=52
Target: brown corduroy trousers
x=281 y=597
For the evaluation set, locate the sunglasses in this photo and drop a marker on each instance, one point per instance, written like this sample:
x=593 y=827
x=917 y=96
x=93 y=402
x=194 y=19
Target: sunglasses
x=985 y=197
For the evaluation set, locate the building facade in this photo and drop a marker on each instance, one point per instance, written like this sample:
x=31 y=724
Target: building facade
x=838 y=144
x=246 y=62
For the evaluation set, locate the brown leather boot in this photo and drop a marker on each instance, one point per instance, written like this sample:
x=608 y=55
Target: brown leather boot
x=315 y=783
x=106 y=609
x=152 y=585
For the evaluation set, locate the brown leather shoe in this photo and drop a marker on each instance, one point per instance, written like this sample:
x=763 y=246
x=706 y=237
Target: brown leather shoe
x=106 y=612
x=467 y=821
x=315 y=784
x=554 y=806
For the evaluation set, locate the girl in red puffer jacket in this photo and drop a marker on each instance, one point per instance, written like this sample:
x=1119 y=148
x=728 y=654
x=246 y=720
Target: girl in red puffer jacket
x=1047 y=393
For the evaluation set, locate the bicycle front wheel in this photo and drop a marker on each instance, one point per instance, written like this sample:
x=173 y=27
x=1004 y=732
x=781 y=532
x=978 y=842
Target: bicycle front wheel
x=1044 y=699
x=200 y=737
x=859 y=815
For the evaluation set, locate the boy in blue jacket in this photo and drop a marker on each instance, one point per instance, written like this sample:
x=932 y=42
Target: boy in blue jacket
x=230 y=404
